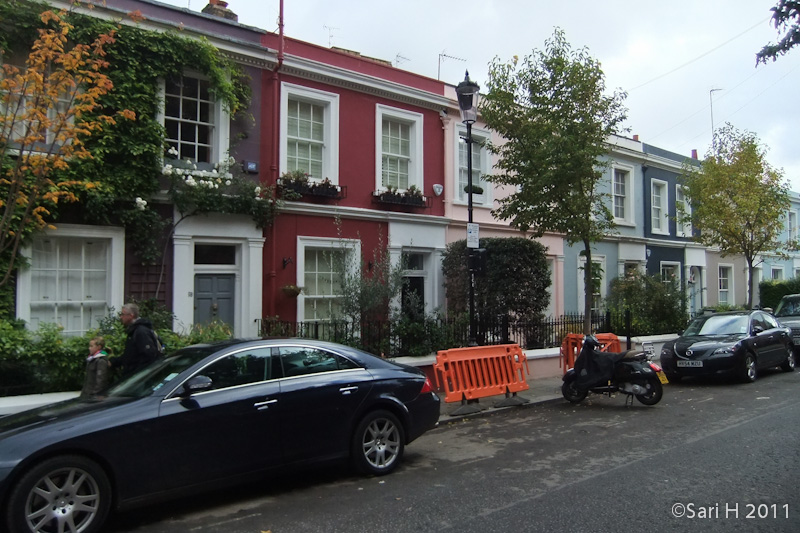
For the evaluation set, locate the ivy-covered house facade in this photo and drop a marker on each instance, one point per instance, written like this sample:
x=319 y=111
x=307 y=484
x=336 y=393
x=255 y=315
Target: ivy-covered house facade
x=172 y=214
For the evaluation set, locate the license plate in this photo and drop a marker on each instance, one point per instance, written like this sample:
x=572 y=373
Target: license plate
x=690 y=363
x=662 y=377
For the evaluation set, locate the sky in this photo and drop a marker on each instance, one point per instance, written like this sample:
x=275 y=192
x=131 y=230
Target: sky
x=686 y=65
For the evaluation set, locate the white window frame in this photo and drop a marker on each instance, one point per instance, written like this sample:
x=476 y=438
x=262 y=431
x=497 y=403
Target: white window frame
x=627 y=202
x=115 y=273
x=682 y=229
x=791 y=222
x=220 y=128
x=415 y=121
x=601 y=259
x=349 y=246
x=776 y=273
x=670 y=266
x=728 y=291
x=659 y=211
x=479 y=137
x=52 y=112
x=330 y=103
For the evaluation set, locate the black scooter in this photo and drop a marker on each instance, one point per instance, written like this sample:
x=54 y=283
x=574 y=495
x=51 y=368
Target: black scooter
x=607 y=372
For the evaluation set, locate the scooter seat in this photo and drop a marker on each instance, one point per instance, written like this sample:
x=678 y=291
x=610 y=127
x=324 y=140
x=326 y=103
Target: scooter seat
x=634 y=355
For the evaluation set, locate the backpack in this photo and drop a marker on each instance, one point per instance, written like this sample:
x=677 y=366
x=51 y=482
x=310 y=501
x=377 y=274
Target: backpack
x=159 y=344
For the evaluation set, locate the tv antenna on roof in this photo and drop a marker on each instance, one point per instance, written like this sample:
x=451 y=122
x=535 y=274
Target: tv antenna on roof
x=330 y=34
x=399 y=59
x=445 y=56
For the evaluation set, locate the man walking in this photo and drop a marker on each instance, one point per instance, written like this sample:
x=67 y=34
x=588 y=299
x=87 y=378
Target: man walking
x=141 y=345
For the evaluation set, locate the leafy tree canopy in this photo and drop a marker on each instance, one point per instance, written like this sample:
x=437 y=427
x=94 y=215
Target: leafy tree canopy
x=785 y=17
x=738 y=201
x=553 y=113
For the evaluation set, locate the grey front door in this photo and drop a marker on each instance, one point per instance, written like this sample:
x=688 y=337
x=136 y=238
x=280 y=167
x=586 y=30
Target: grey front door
x=214 y=298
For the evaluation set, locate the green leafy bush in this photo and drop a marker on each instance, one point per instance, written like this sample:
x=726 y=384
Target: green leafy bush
x=656 y=306
x=771 y=291
x=48 y=361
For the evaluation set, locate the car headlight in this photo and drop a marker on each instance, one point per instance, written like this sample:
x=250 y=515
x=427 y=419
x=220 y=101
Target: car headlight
x=726 y=349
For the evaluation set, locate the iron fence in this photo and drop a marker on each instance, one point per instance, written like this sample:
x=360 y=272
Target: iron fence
x=381 y=338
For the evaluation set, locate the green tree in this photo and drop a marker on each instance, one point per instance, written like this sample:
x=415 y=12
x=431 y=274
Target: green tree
x=48 y=109
x=554 y=116
x=785 y=17
x=738 y=201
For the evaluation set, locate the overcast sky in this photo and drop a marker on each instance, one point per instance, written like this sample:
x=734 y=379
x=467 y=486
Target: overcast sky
x=667 y=55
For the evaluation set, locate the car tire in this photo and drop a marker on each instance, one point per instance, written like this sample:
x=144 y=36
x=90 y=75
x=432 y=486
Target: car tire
x=749 y=370
x=571 y=392
x=68 y=493
x=789 y=364
x=378 y=443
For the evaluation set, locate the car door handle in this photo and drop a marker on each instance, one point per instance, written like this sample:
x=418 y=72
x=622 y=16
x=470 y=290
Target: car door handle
x=348 y=390
x=261 y=406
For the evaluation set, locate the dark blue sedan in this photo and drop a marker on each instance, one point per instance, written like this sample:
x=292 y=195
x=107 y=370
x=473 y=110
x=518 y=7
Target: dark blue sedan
x=737 y=343
x=207 y=415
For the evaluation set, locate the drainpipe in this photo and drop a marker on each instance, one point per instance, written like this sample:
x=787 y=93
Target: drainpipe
x=276 y=125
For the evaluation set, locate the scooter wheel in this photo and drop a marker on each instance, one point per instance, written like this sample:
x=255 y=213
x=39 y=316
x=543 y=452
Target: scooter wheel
x=654 y=392
x=571 y=392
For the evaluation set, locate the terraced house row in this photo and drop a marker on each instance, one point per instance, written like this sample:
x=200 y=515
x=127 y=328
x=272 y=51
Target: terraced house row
x=387 y=167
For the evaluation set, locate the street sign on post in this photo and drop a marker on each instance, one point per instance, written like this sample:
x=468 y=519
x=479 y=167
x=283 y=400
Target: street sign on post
x=472 y=235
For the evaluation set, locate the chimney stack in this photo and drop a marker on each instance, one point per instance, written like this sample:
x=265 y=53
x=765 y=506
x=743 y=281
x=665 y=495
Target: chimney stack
x=636 y=138
x=219 y=8
x=694 y=153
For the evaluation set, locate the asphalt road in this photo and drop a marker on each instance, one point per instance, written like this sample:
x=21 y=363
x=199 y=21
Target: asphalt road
x=712 y=456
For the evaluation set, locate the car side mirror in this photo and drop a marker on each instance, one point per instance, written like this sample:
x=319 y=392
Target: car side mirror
x=757 y=330
x=196 y=384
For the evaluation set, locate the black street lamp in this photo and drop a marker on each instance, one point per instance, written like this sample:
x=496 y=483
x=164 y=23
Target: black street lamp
x=467 y=92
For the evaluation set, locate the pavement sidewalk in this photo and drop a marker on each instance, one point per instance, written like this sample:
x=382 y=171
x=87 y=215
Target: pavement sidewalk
x=539 y=390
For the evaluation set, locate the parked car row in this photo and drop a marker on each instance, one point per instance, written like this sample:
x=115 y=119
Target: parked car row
x=205 y=416
x=737 y=343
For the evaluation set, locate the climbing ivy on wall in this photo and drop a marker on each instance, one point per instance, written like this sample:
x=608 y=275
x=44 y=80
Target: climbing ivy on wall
x=128 y=157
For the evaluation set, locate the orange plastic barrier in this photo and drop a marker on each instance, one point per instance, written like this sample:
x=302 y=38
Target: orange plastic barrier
x=481 y=371
x=571 y=347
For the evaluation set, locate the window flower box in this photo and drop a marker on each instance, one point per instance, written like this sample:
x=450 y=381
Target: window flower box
x=298 y=184
x=412 y=197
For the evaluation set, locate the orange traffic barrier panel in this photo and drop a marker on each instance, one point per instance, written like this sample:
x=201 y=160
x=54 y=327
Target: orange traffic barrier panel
x=481 y=371
x=572 y=343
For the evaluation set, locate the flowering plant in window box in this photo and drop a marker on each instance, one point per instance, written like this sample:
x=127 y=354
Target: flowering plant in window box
x=324 y=188
x=296 y=182
x=202 y=188
x=411 y=196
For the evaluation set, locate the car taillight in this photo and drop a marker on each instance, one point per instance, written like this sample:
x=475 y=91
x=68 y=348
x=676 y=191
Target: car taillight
x=427 y=387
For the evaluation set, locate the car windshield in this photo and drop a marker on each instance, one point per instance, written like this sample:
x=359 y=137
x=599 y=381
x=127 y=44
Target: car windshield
x=717 y=325
x=788 y=307
x=153 y=377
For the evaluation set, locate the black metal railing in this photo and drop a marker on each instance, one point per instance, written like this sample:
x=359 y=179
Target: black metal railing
x=379 y=338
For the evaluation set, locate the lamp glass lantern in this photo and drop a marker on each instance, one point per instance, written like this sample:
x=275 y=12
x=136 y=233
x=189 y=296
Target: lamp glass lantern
x=467 y=92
